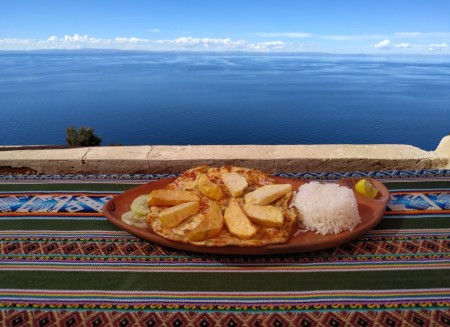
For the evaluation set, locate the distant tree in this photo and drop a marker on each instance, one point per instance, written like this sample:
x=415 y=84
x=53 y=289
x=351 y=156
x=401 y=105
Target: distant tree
x=84 y=136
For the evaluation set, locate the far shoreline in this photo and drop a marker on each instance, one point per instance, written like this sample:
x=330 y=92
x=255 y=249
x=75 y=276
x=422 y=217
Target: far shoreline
x=87 y=51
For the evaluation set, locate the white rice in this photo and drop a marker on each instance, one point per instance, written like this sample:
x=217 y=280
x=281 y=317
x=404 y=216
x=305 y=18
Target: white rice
x=327 y=208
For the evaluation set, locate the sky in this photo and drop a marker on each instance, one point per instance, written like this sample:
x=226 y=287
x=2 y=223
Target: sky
x=332 y=26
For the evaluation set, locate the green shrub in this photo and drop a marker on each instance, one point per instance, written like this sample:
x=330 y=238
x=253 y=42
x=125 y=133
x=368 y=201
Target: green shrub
x=84 y=136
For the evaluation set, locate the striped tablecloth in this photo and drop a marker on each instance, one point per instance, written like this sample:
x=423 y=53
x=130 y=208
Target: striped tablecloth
x=63 y=264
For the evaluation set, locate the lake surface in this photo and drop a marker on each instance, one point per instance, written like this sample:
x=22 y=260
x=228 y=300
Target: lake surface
x=181 y=98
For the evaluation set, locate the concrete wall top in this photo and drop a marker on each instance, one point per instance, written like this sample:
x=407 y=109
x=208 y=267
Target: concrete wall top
x=270 y=158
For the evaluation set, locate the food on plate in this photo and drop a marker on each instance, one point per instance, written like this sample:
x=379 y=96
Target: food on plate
x=137 y=216
x=131 y=219
x=171 y=197
x=210 y=226
x=268 y=216
x=208 y=188
x=366 y=188
x=235 y=183
x=327 y=208
x=139 y=205
x=172 y=216
x=267 y=194
x=236 y=206
x=220 y=220
x=237 y=222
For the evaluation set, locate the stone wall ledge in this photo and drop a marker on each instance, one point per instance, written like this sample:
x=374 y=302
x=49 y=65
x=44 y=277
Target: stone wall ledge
x=270 y=158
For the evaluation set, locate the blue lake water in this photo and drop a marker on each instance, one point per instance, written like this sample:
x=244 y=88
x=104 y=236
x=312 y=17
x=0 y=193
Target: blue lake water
x=181 y=98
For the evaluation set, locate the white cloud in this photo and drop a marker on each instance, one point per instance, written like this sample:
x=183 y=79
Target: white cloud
x=422 y=34
x=221 y=44
x=75 y=41
x=79 y=41
x=436 y=47
x=12 y=42
x=299 y=35
x=409 y=34
x=133 y=40
x=292 y=35
x=352 y=37
x=192 y=43
x=385 y=44
x=264 y=46
x=403 y=45
x=338 y=37
x=153 y=30
x=84 y=41
x=77 y=38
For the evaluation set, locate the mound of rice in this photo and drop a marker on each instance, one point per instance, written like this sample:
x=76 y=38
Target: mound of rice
x=327 y=208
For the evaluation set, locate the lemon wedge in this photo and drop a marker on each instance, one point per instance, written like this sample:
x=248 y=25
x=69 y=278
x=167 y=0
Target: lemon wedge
x=364 y=187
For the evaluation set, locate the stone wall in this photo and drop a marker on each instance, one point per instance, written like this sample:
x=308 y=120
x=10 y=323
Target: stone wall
x=270 y=158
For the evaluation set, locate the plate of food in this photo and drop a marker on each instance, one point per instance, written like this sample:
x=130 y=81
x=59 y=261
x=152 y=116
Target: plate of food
x=244 y=211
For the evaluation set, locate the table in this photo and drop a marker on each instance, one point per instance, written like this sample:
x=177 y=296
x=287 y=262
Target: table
x=62 y=263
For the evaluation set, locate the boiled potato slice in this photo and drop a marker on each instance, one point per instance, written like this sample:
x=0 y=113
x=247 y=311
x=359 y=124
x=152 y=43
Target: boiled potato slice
x=237 y=222
x=172 y=216
x=171 y=197
x=208 y=188
x=235 y=183
x=210 y=226
x=139 y=205
x=268 y=216
x=267 y=193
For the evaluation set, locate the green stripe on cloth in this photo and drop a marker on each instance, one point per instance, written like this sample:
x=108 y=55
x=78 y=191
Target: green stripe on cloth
x=417 y=185
x=85 y=223
x=63 y=224
x=390 y=222
x=226 y=282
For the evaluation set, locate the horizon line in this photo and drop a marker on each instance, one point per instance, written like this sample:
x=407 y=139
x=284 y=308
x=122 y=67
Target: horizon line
x=227 y=52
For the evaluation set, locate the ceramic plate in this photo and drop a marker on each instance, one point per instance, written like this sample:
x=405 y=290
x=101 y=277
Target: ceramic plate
x=370 y=210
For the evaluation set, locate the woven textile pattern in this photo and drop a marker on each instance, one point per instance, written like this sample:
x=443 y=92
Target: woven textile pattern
x=63 y=264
